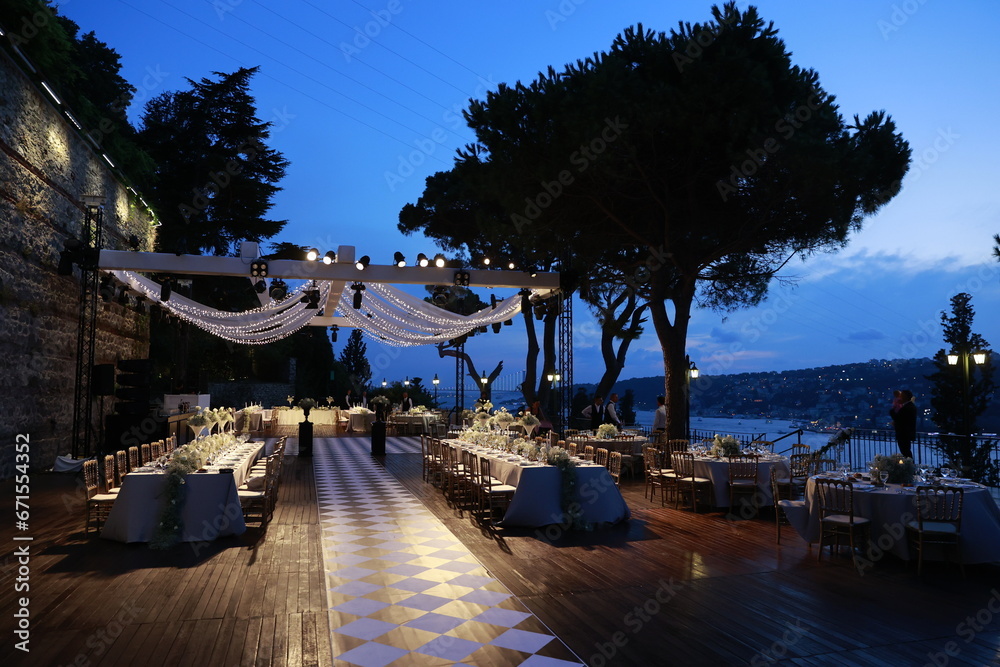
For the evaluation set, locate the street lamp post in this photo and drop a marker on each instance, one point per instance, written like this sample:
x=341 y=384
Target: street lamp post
x=690 y=373
x=436 y=382
x=962 y=357
x=554 y=408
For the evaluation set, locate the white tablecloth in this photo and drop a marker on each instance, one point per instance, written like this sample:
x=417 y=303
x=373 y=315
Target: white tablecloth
x=717 y=470
x=537 y=499
x=633 y=447
x=362 y=422
x=211 y=504
x=411 y=422
x=294 y=416
x=890 y=510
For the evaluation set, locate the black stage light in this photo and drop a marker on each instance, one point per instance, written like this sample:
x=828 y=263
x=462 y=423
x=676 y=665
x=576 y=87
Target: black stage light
x=439 y=260
x=399 y=260
x=279 y=290
x=312 y=254
x=260 y=286
x=440 y=296
x=496 y=327
x=363 y=262
x=422 y=260
x=330 y=257
x=165 y=290
x=258 y=269
x=462 y=278
x=358 y=288
x=311 y=298
x=106 y=290
x=333 y=333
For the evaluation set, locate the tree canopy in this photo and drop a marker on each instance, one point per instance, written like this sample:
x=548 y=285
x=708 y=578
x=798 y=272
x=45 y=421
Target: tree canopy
x=696 y=163
x=216 y=174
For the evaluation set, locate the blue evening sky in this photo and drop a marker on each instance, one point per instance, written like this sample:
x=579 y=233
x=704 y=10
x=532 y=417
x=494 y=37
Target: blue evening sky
x=366 y=98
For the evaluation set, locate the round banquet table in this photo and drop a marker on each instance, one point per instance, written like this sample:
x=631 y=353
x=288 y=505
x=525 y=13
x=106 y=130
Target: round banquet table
x=891 y=508
x=717 y=470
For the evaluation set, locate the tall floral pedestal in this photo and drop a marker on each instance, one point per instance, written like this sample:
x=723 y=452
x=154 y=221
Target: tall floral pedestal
x=378 y=438
x=305 y=438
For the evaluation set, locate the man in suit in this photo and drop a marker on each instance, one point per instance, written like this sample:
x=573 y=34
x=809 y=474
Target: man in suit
x=904 y=421
x=595 y=412
x=611 y=412
x=407 y=403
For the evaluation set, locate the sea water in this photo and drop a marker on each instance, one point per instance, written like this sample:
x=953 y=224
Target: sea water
x=763 y=429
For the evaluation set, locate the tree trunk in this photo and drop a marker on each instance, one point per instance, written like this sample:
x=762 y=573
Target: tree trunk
x=614 y=361
x=531 y=356
x=484 y=390
x=673 y=340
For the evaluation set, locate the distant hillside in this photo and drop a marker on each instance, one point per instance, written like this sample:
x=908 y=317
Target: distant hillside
x=851 y=394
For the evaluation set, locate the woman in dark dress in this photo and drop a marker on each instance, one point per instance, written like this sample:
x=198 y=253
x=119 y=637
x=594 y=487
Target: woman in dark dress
x=904 y=421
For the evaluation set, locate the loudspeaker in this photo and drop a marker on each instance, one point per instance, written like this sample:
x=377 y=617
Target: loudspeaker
x=102 y=380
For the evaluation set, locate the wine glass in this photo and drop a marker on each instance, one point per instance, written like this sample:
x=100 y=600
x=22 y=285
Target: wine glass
x=884 y=476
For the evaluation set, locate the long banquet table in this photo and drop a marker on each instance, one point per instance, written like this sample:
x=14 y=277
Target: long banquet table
x=211 y=503
x=891 y=508
x=294 y=416
x=537 y=498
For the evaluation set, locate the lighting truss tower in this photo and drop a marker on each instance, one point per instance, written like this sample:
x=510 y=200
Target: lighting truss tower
x=86 y=333
x=566 y=359
x=459 y=381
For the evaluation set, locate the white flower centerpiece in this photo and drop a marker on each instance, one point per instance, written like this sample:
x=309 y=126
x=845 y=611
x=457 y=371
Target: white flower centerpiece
x=725 y=445
x=528 y=421
x=503 y=419
x=483 y=405
x=607 y=431
x=199 y=421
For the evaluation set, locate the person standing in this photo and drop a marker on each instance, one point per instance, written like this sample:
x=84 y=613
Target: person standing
x=595 y=412
x=407 y=403
x=348 y=399
x=904 y=421
x=660 y=416
x=611 y=412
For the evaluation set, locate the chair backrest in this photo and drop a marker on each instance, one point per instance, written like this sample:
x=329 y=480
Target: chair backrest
x=90 y=477
x=801 y=448
x=683 y=464
x=588 y=453
x=799 y=466
x=601 y=456
x=649 y=462
x=121 y=466
x=615 y=466
x=571 y=448
x=775 y=489
x=742 y=466
x=484 y=469
x=133 y=458
x=939 y=504
x=677 y=445
x=835 y=497
x=823 y=465
x=109 y=472
x=156 y=450
x=762 y=445
x=144 y=456
x=472 y=465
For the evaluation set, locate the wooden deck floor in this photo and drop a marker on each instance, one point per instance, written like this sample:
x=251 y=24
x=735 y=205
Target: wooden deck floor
x=668 y=588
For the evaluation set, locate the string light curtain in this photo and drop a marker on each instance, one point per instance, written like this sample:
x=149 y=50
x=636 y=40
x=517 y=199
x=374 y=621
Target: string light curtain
x=397 y=318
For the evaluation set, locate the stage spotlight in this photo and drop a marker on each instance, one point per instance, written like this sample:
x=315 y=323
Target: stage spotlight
x=493 y=301
x=533 y=272
x=311 y=298
x=330 y=257
x=486 y=261
x=511 y=265
x=258 y=269
x=279 y=290
x=422 y=260
x=312 y=254
x=508 y=323
x=165 y=290
x=439 y=260
x=496 y=327
x=333 y=333
x=358 y=289
x=260 y=287
x=106 y=290
x=363 y=262
x=440 y=296
x=399 y=260
x=123 y=297
x=462 y=278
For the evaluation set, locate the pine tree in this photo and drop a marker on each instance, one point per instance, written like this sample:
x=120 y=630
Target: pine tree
x=355 y=360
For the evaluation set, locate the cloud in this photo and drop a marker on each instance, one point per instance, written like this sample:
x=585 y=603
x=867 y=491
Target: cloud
x=722 y=336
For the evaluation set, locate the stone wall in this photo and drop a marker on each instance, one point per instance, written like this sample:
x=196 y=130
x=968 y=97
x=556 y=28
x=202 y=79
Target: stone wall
x=46 y=167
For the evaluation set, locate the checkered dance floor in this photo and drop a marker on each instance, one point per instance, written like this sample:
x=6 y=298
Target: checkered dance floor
x=402 y=590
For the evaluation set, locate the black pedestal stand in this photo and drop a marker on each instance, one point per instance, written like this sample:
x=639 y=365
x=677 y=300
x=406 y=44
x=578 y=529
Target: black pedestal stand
x=305 y=438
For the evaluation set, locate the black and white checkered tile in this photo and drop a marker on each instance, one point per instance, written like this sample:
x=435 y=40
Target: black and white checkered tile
x=402 y=590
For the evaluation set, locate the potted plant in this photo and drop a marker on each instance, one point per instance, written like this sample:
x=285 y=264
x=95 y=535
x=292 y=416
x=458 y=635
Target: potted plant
x=381 y=405
x=307 y=404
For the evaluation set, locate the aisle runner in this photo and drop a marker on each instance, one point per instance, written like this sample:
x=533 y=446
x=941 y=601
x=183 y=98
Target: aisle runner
x=402 y=590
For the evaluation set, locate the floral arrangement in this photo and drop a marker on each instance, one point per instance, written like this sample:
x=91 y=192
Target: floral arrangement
x=290 y=399
x=252 y=409
x=329 y=400
x=607 y=431
x=901 y=469
x=725 y=445
x=528 y=420
x=201 y=417
x=282 y=407
x=482 y=418
x=502 y=418
x=307 y=403
x=468 y=414
x=483 y=405
x=360 y=411
x=418 y=409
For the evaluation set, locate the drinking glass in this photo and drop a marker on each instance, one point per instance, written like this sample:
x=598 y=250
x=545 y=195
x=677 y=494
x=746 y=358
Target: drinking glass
x=884 y=476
